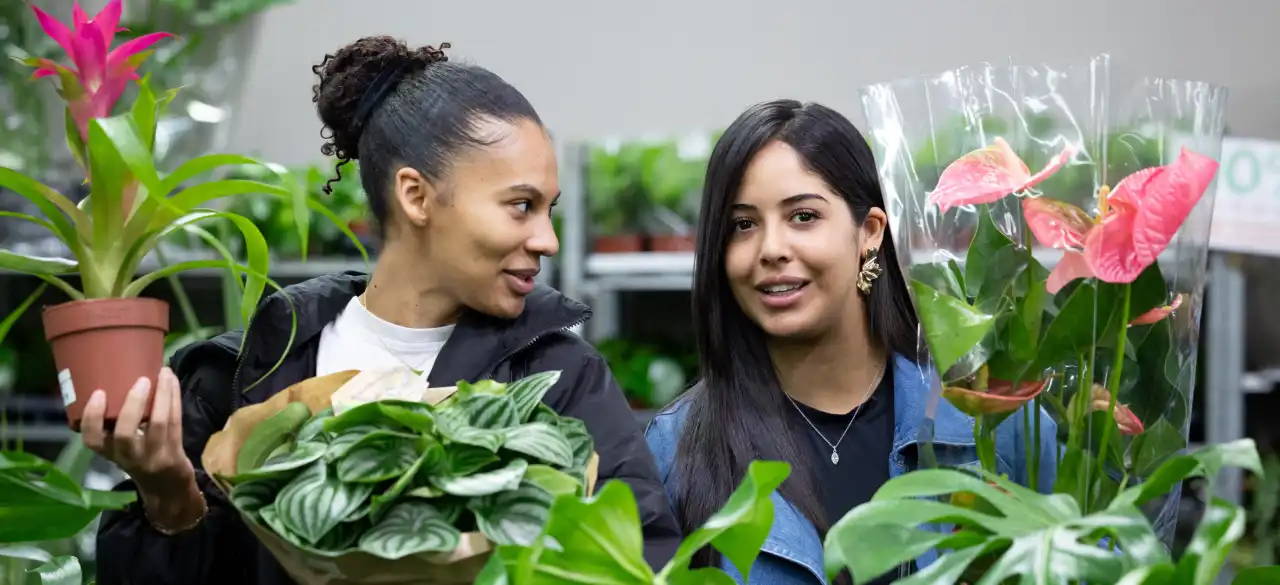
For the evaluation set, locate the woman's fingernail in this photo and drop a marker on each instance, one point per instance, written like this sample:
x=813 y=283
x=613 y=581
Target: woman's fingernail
x=97 y=398
x=143 y=386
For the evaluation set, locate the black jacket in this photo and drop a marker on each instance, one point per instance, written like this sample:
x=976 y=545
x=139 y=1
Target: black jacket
x=221 y=550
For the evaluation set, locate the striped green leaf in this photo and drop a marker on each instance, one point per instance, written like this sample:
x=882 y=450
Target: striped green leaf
x=270 y=517
x=251 y=496
x=379 y=460
x=409 y=528
x=425 y=492
x=414 y=415
x=284 y=464
x=389 y=414
x=554 y=481
x=490 y=411
x=316 y=501
x=543 y=413
x=483 y=484
x=541 y=441
x=360 y=513
x=467 y=459
x=575 y=431
x=315 y=425
x=527 y=392
x=514 y=516
x=343 y=537
x=354 y=437
x=458 y=431
x=432 y=457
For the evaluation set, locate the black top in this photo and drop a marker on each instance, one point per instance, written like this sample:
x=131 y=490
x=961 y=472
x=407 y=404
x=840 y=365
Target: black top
x=213 y=379
x=863 y=453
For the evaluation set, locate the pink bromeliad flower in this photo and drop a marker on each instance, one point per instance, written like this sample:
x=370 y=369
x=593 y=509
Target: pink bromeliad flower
x=1135 y=222
x=988 y=174
x=100 y=74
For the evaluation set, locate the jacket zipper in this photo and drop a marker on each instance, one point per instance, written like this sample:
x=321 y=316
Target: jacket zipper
x=539 y=337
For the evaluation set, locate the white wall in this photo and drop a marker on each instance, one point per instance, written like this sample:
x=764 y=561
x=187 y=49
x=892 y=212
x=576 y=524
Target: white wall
x=603 y=68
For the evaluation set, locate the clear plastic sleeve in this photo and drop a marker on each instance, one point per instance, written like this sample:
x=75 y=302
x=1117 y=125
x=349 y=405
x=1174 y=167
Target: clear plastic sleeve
x=1053 y=223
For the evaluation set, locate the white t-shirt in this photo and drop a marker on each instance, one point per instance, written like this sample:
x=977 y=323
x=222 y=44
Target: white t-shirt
x=359 y=340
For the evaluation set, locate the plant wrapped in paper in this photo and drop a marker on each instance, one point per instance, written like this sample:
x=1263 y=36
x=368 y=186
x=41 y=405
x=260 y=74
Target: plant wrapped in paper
x=131 y=207
x=371 y=477
x=1055 y=224
x=597 y=539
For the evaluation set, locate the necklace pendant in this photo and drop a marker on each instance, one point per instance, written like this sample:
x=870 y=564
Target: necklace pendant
x=835 y=457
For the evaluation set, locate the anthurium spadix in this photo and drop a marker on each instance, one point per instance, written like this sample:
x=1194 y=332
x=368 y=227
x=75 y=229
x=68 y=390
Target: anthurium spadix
x=99 y=74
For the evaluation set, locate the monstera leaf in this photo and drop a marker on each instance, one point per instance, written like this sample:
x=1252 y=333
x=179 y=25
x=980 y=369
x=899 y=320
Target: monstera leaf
x=1004 y=531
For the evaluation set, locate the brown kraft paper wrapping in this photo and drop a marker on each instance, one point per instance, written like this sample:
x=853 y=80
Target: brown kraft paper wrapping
x=352 y=568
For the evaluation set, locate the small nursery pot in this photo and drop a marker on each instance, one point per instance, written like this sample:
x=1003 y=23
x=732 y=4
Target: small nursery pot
x=105 y=344
x=621 y=243
x=671 y=243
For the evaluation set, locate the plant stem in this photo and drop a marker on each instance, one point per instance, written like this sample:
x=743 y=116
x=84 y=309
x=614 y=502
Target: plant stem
x=1033 y=447
x=1035 y=455
x=1113 y=380
x=180 y=294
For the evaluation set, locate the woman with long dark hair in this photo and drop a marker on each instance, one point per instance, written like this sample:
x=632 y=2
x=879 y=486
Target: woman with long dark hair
x=808 y=343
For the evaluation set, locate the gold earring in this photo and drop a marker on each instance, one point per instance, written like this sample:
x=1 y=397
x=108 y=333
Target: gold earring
x=870 y=271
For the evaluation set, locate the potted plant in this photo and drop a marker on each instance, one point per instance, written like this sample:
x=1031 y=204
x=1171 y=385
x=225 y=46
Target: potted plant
x=616 y=198
x=107 y=336
x=672 y=181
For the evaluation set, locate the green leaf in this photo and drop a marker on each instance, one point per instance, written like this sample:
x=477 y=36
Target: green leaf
x=283 y=465
x=75 y=143
x=541 y=441
x=63 y=570
x=72 y=224
x=951 y=326
x=467 y=459
x=513 y=516
x=378 y=461
x=131 y=151
x=316 y=501
x=200 y=165
x=1067 y=552
x=431 y=455
x=1087 y=313
x=938 y=482
x=494 y=571
x=485 y=483
x=36 y=265
x=1024 y=327
x=1158 y=443
x=575 y=431
x=554 y=481
x=409 y=528
x=25 y=553
x=456 y=431
x=944 y=277
x=1152 y=575
x=869 y=551
x=528 y=391
x=314 y=426
x=600 y=542
x=1220 y=527
x=992 y=263
x=949 y=568
x=251 y=496
x=1258 y=576
x=1203 y=462
x=490 y=411
x=145 y=113
x=739 y=529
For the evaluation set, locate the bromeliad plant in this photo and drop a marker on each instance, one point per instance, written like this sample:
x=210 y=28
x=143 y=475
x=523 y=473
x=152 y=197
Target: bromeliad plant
x=394 y=478
x=131 y=207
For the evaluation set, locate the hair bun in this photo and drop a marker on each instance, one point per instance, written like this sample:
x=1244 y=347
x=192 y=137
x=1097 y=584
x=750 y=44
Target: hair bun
x=344 y=79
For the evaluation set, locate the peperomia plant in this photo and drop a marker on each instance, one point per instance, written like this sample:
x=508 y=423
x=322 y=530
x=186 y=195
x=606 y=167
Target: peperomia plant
x=393 y=478
x=597 y=540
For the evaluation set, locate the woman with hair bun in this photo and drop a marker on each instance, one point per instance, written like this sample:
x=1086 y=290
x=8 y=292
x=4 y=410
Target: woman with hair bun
x=461 y=177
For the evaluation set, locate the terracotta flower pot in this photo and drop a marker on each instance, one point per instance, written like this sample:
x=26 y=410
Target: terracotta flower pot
x=105 y=344
x=671 y=243
x=621 y=243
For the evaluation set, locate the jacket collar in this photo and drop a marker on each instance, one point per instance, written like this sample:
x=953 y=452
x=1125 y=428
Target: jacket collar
x=478 y=341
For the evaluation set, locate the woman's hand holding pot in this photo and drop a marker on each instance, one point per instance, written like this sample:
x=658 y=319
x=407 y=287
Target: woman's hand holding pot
x=153 y=456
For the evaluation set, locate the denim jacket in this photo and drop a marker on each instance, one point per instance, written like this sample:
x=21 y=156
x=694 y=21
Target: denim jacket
x=792 y=554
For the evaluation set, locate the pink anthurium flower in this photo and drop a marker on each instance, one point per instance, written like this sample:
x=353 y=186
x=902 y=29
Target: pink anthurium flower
x=1135 y=222
x=1000 y=397
x=988 y=174
x=1100 y=400
x=100 y=75
x=1158 y=313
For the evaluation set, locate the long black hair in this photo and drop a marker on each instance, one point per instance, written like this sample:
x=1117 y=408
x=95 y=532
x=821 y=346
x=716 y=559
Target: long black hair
x=736 y=411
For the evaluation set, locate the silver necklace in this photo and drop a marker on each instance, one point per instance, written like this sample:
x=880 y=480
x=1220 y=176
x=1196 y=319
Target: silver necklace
x=835 y=454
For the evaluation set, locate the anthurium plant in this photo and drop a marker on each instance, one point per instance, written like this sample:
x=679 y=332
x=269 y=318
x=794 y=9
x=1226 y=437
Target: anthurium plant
x=131 y=207
x=1055 y=239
